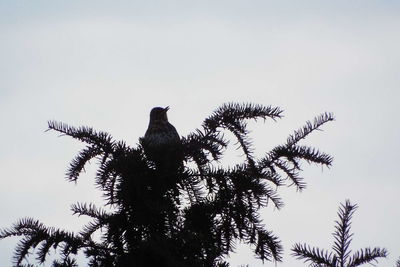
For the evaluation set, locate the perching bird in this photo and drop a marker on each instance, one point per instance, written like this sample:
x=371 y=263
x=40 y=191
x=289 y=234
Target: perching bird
x=161 y=142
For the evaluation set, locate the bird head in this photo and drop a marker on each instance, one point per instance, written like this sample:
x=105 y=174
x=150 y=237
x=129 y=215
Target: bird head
x=159 y=114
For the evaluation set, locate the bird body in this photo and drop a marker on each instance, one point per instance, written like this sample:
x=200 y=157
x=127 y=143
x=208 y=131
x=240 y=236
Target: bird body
x=161 y=142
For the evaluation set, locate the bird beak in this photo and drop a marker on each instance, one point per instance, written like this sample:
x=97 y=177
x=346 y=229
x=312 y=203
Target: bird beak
x=166 y=109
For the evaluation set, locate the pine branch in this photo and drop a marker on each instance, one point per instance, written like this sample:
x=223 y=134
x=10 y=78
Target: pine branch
x=89 y=210
x=85 y=134
x=268 y=246
x=315 y=256
x=311 y=155
x=233 y=112
x=34 y=233
x=342 y=233
x=366 y=256
x=341 y=245
x=242 y=179
x=308 y=128
x=77 y=165
x=106 y=173
x=232 y=116
x=286 y=157
x=271 y=176
x=292 y=173
x=198 y=145
x=91 y=227
x=245 y=144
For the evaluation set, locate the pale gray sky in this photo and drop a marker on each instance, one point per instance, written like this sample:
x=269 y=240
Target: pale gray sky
x=106 y=64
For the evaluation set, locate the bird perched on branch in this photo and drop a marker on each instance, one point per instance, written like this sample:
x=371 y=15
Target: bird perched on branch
x=161 y=142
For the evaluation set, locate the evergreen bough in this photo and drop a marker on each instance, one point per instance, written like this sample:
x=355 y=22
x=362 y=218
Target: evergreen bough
x=340 y=257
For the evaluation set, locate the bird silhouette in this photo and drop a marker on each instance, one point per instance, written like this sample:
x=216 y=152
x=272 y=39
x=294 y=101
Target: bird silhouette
x=161 y=142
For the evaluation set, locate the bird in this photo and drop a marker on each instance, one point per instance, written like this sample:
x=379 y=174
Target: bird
x=161 y=142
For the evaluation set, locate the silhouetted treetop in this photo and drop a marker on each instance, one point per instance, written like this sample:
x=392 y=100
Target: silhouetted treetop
x=168 y=201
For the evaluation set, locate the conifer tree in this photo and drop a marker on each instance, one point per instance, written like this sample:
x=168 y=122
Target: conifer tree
x=340 y=257
x=196 y=219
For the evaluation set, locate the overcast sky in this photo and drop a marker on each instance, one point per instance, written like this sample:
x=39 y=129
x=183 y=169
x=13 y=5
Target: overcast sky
x=106 y=64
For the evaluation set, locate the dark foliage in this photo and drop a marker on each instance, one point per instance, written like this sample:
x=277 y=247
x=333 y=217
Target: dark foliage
x=196 y=219
x=340 y=257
